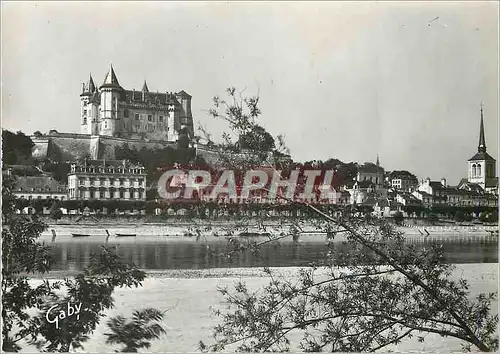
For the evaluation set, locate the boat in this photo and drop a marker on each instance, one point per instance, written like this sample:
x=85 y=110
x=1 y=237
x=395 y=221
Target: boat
x=125 y=235
x=80 y=235
x=254 y=234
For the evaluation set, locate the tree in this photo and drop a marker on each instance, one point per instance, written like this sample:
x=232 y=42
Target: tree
x=398 y=218
x=55 y=211
x=138 y=332
x=22 y=255
x=383 y=291
x=16 y=148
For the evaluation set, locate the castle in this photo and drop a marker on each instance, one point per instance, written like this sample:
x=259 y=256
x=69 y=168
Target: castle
x=110 y=110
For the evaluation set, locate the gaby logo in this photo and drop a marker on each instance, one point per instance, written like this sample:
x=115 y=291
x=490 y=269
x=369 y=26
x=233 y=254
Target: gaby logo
x=55 y=313
x=240 y=186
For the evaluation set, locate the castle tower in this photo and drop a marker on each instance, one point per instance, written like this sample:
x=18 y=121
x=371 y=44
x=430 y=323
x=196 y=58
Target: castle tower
x=145 y=90
x=89 y=108
x=185 y=116
x=481 y=167
x=109 y=113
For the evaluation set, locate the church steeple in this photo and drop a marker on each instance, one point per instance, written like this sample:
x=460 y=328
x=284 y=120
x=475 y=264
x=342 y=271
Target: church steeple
x=482 y=143
x=145 y=87
x=378 y=161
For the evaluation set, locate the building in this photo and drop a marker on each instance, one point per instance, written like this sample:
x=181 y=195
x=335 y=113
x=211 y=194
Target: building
x=106 y=180
x=437 y=191
x=481 y=166
x=111 y=110
x=39 y=187
x=402 y=181
x=371 y=172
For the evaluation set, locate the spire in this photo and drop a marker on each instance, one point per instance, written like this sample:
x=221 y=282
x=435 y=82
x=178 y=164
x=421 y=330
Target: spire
x=378 y=162
x=110 y=80
x=91 y=86
x=145 y=87
x=482 y=144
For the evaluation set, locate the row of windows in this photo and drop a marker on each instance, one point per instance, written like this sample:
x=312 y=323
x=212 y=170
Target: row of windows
x=139 y=117
x=102 y=182
x=107 y=170
x=40 y=197
x=116 y=195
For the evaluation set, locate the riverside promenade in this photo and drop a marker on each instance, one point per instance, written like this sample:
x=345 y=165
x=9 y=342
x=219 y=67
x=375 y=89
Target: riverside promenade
x=216 y=230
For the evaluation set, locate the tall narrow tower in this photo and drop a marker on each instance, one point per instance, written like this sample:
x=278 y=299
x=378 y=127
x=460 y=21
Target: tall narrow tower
x=481 y=166
x=89 y=108
x=109 y=113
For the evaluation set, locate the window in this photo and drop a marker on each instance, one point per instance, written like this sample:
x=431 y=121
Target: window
x=82 y=182
x=478 y=170
x=84 y=121
x=160 y=118
x=84 y=104
x=105 y=124
x=137 y=116
x=125 y=113
x=150 y=118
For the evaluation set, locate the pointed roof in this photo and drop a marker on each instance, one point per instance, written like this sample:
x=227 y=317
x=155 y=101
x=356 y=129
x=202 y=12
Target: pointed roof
x=89 y=88
x=481 y=148
x=378 y=162
x=110 y=80
x=90 y=85
x=183 y=93
x=145 y=87
x=482 y=144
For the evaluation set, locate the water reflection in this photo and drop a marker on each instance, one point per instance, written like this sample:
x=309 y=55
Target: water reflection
x=195 y=255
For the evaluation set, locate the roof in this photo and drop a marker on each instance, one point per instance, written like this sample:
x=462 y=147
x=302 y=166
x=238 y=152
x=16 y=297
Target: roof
x=482 y=156
x=23 y=170
x=369 y=201
x=425 y=194
x=145 y=87
x=40 y=183
x=109 y=163
x=436 y=185
x=110 y=80
x=370 y=168
x=183 y=93
x=365 y=184
x=149 y=97
x=493 y=182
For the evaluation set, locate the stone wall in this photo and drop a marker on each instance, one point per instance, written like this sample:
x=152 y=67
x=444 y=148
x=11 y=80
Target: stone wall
x=71 y=147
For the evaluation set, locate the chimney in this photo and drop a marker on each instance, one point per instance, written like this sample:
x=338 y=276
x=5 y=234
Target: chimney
x=443 y=182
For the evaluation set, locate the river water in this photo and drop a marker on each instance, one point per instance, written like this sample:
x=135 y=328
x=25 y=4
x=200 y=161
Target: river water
x=74 y=256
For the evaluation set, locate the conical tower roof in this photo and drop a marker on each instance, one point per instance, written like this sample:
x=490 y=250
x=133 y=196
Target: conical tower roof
x=110 y=80
x=90 y=85
x=145 y=87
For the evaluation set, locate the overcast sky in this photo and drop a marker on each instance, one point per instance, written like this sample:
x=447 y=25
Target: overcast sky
x=344 y=80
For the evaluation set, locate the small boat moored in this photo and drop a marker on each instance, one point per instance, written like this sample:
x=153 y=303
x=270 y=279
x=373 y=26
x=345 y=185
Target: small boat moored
x=254 y=234
x=125 y=235
x=80 y=235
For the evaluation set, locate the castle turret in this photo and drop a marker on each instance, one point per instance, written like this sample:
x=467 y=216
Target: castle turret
x=145 y=90
x=89 y=108
x=109 y=113
x=185 y=116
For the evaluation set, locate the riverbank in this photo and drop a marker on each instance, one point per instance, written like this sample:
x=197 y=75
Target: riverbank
x=214 y=232
x=191 y=295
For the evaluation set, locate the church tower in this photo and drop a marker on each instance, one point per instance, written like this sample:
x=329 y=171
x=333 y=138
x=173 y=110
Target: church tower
x=110 y=95
x=481 y=167
x=89 y=108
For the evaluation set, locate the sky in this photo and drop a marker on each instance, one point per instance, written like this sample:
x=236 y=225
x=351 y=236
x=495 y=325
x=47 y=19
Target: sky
x=342 y=80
